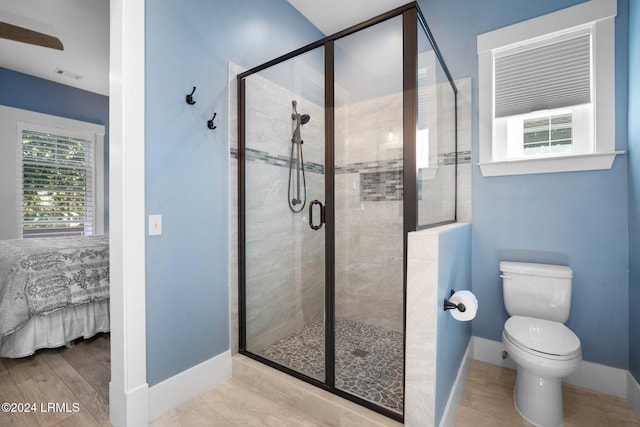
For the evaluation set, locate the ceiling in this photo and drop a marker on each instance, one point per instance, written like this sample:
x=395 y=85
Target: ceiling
x=83 y=28
x=331 y=16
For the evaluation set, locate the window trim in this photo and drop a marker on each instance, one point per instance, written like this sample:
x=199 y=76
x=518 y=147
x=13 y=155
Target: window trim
x=11 y=120
x=97 y=146
x=601 y=15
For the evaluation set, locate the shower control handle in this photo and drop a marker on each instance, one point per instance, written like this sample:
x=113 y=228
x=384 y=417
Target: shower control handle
x=319 y=226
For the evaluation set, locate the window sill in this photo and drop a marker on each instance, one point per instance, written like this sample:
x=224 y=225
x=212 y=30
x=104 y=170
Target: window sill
x=573 y=163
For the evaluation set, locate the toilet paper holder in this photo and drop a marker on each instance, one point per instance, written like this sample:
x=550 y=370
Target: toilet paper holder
x=448 y=305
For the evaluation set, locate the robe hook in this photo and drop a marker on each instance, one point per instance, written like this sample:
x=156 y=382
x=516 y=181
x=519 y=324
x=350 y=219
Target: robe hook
x=210 y=124
x=190 y=100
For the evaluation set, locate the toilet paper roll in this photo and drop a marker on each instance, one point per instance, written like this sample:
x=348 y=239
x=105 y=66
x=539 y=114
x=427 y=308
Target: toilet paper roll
x=470 y=302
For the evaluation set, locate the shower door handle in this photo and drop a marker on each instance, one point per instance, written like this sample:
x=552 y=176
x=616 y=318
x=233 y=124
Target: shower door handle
x=319 y=226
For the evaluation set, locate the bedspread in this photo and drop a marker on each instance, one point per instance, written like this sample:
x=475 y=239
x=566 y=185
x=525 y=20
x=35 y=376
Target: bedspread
x=41 y=275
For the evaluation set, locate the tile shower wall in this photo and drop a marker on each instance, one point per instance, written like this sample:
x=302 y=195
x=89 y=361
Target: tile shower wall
x=284 y=257
x=233 y=70
x=369 y=218
x=439 y=259
x=436 y=196
x=463 y=189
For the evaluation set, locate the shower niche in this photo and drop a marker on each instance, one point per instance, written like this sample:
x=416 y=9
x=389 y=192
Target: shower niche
x=344 y=146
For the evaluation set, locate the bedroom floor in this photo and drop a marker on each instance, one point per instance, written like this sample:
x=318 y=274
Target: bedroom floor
x=68 y=386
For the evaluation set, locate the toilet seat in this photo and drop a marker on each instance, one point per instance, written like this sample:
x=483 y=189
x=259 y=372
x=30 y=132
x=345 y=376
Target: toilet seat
x=544 y=338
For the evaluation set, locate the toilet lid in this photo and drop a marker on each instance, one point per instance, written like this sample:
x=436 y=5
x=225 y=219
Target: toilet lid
x=544 y=336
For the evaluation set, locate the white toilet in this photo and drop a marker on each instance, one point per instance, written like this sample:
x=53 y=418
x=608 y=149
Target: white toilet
x=538 y=299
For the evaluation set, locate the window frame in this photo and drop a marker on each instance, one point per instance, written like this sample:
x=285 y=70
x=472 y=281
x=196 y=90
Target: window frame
x=97 y=223
x=599 y=16
x=11 y=120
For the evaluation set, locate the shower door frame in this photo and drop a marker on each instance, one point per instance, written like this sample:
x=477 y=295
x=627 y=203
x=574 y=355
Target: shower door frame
x=411 y=15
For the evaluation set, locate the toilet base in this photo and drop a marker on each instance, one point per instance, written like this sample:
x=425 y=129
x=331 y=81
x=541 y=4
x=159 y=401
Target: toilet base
x=538 y=400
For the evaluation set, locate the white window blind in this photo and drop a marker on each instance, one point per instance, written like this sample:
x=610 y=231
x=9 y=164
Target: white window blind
x=58 y=196
x=552 y=76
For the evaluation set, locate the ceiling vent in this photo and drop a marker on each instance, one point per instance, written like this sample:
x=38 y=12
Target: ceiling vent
x=68 y=74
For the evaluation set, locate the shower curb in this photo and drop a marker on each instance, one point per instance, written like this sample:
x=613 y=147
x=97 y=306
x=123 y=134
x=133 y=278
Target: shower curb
x=330 y=409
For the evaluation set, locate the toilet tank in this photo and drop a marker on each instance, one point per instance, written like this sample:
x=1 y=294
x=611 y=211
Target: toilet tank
x=542 y=291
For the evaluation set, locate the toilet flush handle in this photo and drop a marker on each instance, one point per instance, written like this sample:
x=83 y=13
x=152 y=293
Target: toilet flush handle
x=505 y=276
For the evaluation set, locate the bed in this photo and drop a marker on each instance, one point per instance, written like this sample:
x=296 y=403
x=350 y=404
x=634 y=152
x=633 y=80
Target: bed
x=52 y=291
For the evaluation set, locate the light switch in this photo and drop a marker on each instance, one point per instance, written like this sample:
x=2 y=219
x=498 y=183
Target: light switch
x=155 y=225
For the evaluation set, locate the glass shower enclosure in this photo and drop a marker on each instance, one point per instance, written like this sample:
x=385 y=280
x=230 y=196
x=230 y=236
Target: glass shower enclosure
x=344 y=146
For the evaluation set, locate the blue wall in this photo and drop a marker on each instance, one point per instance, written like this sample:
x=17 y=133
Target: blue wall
x=26 y=92
x=634 y=189
x=189 y=44
x=578 y=219
x=454 y=272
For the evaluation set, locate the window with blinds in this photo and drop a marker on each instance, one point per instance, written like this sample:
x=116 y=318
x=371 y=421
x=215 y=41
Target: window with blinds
x=58 y=191
x=546 y=93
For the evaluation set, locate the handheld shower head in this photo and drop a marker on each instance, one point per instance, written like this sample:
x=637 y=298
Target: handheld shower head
x=301 y=119
x=296 y=162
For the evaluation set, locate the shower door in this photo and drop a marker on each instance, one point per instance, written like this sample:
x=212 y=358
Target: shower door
x=369 y=214
x=284 y=197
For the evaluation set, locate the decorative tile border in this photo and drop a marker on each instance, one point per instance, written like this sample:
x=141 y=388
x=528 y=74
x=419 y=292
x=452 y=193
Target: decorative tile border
x=357 y=167
x=379 y=180
x=253 y=155
x=366 y=167
x=464 y=157
x=381 y=186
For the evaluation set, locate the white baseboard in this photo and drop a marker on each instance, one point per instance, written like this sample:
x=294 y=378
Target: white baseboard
x=633 y=393
x=129 y=409
x=491 y=352
x=602 y=378
x=455 y=397
x=594 y=376
x=174 y=391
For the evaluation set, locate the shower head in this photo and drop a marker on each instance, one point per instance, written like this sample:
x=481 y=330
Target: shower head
x=300 y=119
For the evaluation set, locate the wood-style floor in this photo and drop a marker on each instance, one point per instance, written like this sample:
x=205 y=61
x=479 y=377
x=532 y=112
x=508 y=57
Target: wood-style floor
x=80 y=375
x=487 y=401
x=76 y=379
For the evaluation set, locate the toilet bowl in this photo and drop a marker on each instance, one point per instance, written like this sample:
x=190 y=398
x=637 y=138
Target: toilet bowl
x=545 y=351
x=538 y=299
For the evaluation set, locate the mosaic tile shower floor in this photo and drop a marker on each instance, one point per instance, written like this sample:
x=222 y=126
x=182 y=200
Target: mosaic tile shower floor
x=369 y=362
